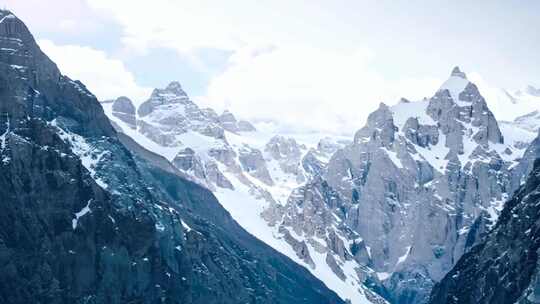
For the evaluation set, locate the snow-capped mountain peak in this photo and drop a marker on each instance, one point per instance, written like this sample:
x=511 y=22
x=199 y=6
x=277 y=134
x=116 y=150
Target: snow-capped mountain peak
x=405 y=185
x=172 y=94
x=456 y=84
x=176 y=87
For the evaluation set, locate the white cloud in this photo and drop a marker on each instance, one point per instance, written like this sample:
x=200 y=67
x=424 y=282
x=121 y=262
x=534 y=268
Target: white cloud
x=312 y=74
x=308 y=88
x=57 y=16
x=107 y=78
x=188 y=25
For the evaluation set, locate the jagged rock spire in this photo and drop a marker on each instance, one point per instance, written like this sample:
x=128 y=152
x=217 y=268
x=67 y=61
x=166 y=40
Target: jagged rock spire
x=171 y=94
x=175 y=87
x=456 y=72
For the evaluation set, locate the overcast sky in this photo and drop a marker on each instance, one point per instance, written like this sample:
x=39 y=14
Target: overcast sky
x=308 y=64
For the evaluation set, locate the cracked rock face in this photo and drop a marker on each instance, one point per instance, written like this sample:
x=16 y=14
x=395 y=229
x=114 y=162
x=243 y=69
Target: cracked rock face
x=521 y=171
x=252 y=162
x=504 y=266
x=188 y=161
x=124 y=109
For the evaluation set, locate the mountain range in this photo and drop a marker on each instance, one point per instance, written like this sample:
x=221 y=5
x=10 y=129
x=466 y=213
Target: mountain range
x=168 y=202
x=390 y=210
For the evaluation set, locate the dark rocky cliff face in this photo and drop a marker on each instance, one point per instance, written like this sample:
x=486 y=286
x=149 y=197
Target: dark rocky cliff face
x=504 y=267
x=88 y=217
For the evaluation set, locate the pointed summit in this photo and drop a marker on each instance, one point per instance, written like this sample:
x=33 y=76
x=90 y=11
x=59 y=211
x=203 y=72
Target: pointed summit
x=171 y=94
x=173 y=88
x=174 y=85
x=383 y=106
x=176 y=88
x=456 y=72
x=455 y=84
